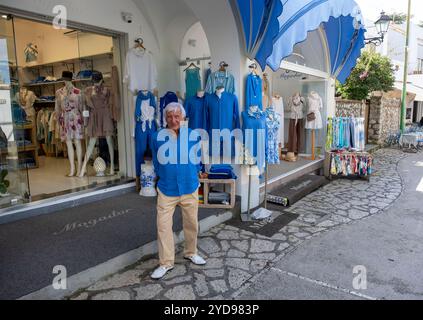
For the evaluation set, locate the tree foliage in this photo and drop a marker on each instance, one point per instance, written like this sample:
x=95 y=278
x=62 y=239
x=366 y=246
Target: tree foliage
x=373 y=72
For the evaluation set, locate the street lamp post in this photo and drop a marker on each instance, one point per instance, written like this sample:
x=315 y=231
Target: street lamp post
x=382 y=27
x=404 y=90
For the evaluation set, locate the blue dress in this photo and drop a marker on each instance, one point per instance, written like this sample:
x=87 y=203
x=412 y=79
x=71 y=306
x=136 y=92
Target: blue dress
x=254 y=92
x=273 y=124
x=255 y=136
x=192 y=82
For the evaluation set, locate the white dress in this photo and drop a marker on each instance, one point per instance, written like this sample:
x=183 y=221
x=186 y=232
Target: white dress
x=279 y=109
x=315 y=104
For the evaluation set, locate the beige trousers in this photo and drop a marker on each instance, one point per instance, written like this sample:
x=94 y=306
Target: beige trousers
x=165 y=209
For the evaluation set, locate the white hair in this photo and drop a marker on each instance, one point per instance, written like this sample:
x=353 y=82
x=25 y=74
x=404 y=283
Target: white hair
x=173 y=107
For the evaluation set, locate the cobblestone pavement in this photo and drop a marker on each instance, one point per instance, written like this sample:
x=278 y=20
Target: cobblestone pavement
x=235 y=258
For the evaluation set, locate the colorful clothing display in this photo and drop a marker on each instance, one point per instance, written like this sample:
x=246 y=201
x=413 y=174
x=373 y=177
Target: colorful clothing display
x=315 y=105
x=350 y=164
x=168 y=98
x=346 y=133
x=192 y=82
x=221 y=79
x=254 y=93
x=141 y=71
x=145 y=118
x=69 y=111
x=194 y=108
x=98 y=102
x=273 y=124
x=254 y=128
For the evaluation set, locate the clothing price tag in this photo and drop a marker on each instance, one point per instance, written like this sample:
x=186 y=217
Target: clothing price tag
x=86 y=114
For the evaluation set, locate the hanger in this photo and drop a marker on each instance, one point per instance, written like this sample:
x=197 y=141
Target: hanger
x=191 y=65
x=139 y=43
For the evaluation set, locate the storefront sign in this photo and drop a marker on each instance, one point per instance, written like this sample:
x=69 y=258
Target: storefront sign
x=92 y=223
x=287 y=75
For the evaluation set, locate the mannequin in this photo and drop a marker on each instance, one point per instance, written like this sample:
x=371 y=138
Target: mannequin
x=314 y=118
x=296 y=124
x=68 y=110
x=100 y=123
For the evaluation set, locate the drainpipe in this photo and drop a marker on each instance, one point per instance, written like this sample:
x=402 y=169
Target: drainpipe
x=404 y=90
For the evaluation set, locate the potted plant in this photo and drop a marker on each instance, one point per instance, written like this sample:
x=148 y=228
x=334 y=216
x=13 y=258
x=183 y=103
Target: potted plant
x=4 y=184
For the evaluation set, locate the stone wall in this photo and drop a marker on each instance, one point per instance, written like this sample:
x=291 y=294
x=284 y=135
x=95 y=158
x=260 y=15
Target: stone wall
x=384 y=118
x=350 y=108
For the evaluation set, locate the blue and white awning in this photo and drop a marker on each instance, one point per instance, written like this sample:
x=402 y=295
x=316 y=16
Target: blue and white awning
x=340 y=19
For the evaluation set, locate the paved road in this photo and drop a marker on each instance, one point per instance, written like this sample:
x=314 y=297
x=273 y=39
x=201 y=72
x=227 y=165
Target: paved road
x=347 y=223
x=389 y=245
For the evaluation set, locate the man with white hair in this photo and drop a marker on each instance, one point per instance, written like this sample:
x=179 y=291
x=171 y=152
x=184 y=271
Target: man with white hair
x=178 y=184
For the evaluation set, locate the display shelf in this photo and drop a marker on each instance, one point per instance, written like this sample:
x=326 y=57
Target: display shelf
x=69 y=61
x=206 y=187
x=32 y=149
x=52 y=83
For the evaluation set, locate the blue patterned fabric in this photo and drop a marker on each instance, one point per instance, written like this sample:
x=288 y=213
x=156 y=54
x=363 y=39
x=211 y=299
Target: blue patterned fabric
x=273 y=123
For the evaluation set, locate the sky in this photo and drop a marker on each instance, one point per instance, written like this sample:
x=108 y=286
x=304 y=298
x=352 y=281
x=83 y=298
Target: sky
x=372 y=8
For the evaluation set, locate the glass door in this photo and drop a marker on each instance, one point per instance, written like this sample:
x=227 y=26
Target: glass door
x=18 y=150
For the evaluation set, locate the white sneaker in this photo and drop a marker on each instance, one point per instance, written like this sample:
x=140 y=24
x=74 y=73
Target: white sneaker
x=160 y=272
x=197 y=260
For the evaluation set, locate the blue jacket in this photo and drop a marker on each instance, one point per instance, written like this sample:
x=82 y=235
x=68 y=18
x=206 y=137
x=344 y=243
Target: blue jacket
x=194 y=108
x=254 y=92
x=221 y=113
x=178 y=174
x=220 y=78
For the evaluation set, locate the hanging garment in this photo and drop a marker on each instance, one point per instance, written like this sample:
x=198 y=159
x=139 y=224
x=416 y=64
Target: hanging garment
x=100 y=122
x=141 y=71
x=296 y=131
x=145 y=118
x=69 y=109
x=315 y=105
x=254 y=128
x=194 y=108
x=329 y=137
x=207 y=75
x=192 y=82
x=168 y=98
x=115 y=100
x=278 y=107
x=26 y=100
x=267 y=99
x=254 y=93
x=221 y=113
x=221 y=78
x=296 y=104
x=273 y=125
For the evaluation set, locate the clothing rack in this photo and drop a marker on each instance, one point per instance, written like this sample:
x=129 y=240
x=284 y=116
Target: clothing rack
x=185 y=62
